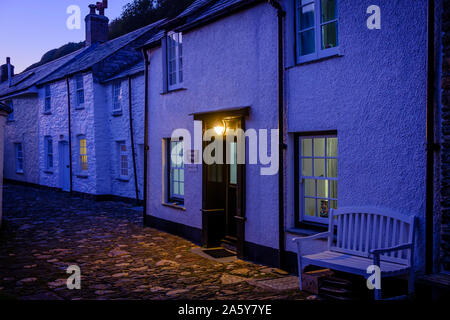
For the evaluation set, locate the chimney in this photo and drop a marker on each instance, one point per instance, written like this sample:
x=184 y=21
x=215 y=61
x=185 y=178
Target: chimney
x=97 y=24
x=6 y=71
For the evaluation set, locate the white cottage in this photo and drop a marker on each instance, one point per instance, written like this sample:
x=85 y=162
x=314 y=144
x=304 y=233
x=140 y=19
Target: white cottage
x=77 y=121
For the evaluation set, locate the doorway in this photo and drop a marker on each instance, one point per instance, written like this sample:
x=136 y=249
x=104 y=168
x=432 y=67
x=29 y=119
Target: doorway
x=64 y=166
x=223 y=215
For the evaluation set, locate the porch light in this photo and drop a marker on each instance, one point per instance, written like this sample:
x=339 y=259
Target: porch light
x=220 y=128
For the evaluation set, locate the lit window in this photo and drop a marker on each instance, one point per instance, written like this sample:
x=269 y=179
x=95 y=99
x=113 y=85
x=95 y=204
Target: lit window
x=117 y=96
x=176 y=171
x=318 y=177
x=48 y=99
x=79 y=90
x=123 y=160
x=175 y=60
x=19 y=157
x=11 y=115
x=317 y=29
x=48 y=145
x=83 y=165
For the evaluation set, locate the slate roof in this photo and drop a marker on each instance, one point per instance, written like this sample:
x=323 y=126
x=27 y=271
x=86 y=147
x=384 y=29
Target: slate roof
x=139 y=67
x=24 y=80
x=108 y=58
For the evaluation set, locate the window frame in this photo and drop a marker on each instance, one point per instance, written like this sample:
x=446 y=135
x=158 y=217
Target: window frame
x=299 y=187
x=19 y=157
x=117 y=100
x=319 y=53
x=48 y=141
x=79 y=89
x=173 y=197
x=81 y=162
x=47 y=99
x=177 y=59
x=122 y=154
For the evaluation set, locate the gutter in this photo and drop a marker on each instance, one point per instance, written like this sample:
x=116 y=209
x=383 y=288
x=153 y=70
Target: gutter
x=70 y=132
x=431 y=146
x=281 y=145
x=133 y=151
x=146 y=148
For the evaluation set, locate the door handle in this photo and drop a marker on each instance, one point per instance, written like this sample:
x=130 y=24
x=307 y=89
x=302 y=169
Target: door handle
x=68 y=167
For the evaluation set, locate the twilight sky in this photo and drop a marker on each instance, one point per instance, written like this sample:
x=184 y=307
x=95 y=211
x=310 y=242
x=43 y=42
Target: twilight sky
x=29 y=28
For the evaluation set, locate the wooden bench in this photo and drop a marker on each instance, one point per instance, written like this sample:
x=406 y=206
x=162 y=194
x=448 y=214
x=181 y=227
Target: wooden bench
x=361 y=237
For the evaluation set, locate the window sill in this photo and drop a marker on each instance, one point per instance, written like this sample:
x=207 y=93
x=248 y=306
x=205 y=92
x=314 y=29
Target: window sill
x=116 y=113
x=79 y=108
x=10 y=121
x=82 y=176
x=315 y=60
x=20 y=172
x=48 y=171
x=173 y=90
x=123 y=179
x=174 y=206
x=46 y=113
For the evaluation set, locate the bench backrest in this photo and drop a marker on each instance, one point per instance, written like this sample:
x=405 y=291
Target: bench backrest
x=359 y=230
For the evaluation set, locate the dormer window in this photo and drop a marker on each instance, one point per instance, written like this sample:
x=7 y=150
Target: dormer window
x=174 y=60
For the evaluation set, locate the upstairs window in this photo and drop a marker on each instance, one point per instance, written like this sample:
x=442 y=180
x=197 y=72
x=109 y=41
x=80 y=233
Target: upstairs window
x=19 y=157
x=79 y=90
x=11 y=115
x=316 y=29
x=48 y=99
x=48 y=147
x=123 y=160
x=176 y=171
x=82 y=162
x=318 y=177
x=174 y=60
x=117 y=96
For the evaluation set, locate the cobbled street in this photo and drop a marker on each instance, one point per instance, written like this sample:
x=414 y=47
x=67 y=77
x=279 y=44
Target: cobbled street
x=44 y=232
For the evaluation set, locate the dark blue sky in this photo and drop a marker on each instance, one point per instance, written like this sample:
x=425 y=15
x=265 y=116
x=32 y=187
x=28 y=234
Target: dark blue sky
x=29 y=28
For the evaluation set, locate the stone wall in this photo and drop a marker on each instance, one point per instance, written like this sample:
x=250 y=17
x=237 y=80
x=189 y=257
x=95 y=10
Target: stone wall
x=3 y=116
x=445 y=142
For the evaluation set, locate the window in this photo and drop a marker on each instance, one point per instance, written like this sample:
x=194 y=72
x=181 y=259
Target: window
x=316 y=29
x=117 y=96
x=175 y=60
x=19 y=157
x=318 y=177
x=79 y=90
x=82 y=164
x=176 y=171
x=48 y=146
x=123 y=160
x=48 y=99
x=11 y=115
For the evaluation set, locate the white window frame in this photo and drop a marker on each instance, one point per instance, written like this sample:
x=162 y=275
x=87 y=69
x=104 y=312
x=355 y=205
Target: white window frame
x=47 y=99
x=173 y=196
x=117 y=96
x=79 y=90
x=83 y=156
x=124 y=170
x=19 y=157
x=48 y=147
x=318 y=53
x=175 y=58
x=303 y=217
x=11 y=115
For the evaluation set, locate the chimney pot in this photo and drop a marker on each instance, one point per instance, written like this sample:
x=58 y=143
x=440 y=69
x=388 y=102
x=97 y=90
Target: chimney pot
x=92 y=8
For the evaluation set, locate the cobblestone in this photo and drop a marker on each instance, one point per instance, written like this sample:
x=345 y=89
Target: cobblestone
x=45 y=232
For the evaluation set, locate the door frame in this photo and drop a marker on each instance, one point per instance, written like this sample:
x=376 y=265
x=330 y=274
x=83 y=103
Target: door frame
x=239 y=115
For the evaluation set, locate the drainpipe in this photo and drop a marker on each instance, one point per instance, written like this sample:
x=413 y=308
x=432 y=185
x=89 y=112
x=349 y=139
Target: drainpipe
x=133 y=151
x=70 y=132
x=431 y=145
x=281 y=235
x=146 y=148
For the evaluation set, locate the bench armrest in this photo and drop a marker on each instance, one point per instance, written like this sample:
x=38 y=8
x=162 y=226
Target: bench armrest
x=396 y=248
x=316 y=236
